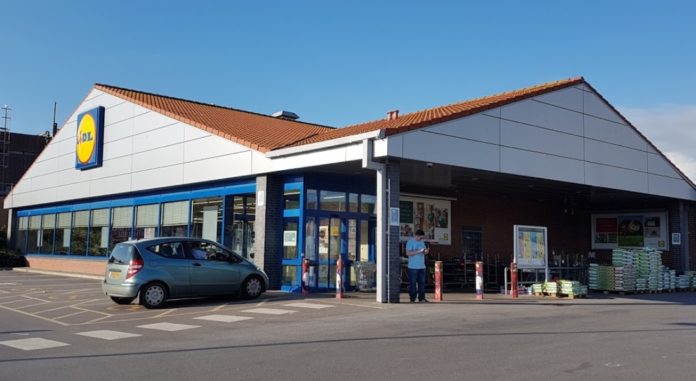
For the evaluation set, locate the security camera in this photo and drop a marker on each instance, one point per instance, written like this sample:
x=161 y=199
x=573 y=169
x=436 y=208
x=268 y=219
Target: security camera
x=429 y=165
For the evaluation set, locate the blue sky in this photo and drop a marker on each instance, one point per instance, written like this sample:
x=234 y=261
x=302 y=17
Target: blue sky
x=341 y=63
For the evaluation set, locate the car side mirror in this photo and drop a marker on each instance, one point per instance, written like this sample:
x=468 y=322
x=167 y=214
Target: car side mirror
x=251 y=255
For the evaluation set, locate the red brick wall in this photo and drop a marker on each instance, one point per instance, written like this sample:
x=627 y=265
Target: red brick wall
x=68 y=265
x=567 y=232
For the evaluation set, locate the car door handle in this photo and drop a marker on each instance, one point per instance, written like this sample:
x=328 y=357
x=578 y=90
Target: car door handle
x=196 y=264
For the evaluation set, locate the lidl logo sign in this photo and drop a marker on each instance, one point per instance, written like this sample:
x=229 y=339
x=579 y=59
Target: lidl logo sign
x=90 y=133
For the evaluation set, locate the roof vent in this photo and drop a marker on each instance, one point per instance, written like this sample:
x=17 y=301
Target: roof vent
x=287 y=115
x=393 y=114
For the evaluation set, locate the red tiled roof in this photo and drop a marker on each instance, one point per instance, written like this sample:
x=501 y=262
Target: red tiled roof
x=440 y=114
x=260 y=132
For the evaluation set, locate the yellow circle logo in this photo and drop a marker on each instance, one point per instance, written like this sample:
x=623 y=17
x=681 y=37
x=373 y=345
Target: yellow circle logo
x=86 y=139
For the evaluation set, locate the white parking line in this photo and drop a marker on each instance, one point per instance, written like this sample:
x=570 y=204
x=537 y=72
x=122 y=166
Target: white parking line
x=33 y=344
x=106 y=334
x=309 y=305
x=223 y=318
x=269 y=311
x=168 y=326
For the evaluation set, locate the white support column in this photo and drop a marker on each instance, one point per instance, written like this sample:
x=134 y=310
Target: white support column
x=380 y=229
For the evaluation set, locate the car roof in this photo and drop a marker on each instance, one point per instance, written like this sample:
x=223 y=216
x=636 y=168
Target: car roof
x=158 y=240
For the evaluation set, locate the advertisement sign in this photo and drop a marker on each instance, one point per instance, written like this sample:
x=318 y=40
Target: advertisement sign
x=530 y=247
x=427 y=214
x=635 y=229
x=89 y=139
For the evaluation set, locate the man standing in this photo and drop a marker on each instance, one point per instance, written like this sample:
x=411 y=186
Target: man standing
x=416 y=251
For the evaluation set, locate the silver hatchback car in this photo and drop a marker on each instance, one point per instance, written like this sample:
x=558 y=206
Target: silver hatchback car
x=175 y=267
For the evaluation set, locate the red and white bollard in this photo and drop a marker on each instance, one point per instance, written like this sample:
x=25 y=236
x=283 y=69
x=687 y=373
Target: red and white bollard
x=438 y=281
x=479 y=280
x=339 y=278
x=513 y=280
x=305 y=276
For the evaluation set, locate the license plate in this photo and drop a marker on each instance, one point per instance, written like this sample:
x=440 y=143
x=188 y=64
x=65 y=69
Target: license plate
x=115 y=274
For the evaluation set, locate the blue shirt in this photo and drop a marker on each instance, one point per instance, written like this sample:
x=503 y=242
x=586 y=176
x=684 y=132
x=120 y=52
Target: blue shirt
x=415 y=261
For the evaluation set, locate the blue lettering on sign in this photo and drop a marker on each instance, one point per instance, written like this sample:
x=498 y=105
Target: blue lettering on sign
x=85 y=137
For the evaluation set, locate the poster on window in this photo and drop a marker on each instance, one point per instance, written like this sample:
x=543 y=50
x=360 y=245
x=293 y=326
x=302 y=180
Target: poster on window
x=530 y=246
x=427 y=214
x=636 y=229
x=323 y=239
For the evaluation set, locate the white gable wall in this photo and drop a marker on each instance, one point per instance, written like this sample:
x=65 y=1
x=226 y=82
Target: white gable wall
x=142 y=150
x=568 y=135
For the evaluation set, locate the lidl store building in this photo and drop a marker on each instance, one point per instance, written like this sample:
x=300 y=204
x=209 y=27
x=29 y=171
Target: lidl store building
x=130 y=164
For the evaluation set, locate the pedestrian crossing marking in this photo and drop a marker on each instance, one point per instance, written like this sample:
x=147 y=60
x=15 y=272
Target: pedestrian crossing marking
x=269 y=311
x=314 y=306
x=33 y=344
x=108 y=334
x=168 y=326
x=223 y=318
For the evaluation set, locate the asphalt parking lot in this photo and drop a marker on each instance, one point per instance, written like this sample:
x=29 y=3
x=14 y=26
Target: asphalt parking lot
x=69 y=301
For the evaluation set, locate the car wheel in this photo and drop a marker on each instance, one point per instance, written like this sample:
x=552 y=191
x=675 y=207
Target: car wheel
x=153 y=295
x=252 y=287
x=122 y=300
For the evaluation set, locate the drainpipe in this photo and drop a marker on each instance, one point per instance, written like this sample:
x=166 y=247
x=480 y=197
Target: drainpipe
x=380 y=206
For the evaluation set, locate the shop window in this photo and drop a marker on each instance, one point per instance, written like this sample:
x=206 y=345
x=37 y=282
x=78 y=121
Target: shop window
x=353 y=202
x=206 y=218
x=290 y=239
x=34 y=235
x=78 y=237
x=367 y=203
x=174 y=219
x=292 y=198
x=289 y=276
x=332 y=201
x=312 y=199
x=121 y=222
x=22 y=232
x=99 y=232
x=63 y=233
x=311 y=238
x=48 y=228
x=146 y=217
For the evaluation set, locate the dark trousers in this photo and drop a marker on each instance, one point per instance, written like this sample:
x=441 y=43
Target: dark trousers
x=416 y=276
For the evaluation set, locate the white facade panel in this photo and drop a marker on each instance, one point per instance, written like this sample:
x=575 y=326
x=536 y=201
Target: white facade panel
x=150 y=120
x=570 y=98
x=609 y=132
x=158 y=178
x=543 y=115
x=48 y=180
x=434 y=148
x=594 y=105
x=65 y=162
x=311 y=159
x=535 y=164
x=119 y=113
x=218 y=168
x=616 y=178
x=161 y=137
x=114 y=167
x=158 y=158
x=651 y=149
x=118 y=148
x=110 y=185
x=670 y=187
x=659 y=166
x=494 y=112
x=209 y=146
x=541 y=140
x=118 y=131
x=618 y=156
x=40 y=168
x=476 y=127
